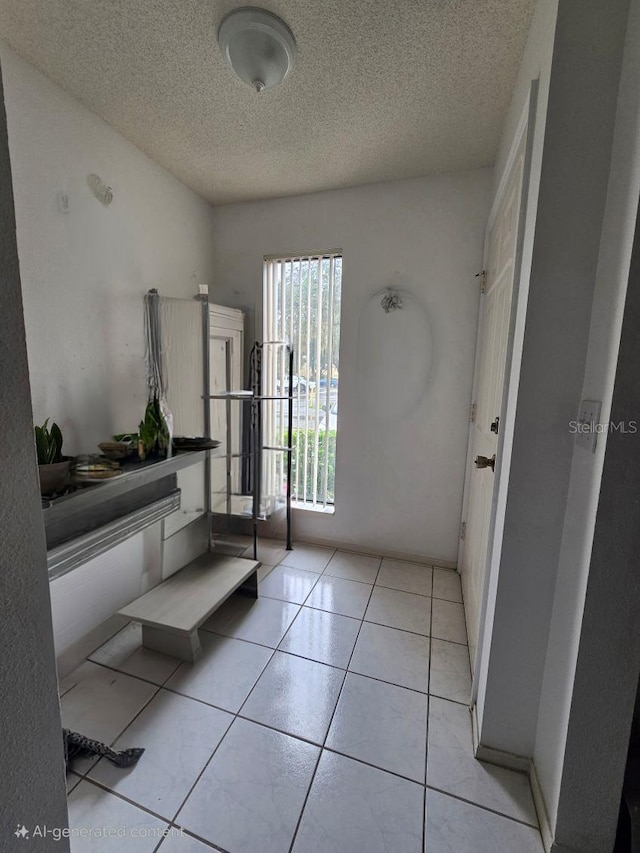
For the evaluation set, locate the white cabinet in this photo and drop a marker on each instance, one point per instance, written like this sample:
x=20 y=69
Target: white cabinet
x=191 y=482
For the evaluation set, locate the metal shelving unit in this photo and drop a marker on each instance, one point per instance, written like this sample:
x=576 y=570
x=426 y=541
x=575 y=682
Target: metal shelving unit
x=253 y=455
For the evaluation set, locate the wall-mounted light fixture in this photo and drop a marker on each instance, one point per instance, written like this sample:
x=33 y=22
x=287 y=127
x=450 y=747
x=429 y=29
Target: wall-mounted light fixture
x=258 y=46
x=391 y=300
x=101 y=191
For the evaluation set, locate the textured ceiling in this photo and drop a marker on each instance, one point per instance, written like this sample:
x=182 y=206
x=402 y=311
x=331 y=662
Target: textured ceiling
x=381 y=89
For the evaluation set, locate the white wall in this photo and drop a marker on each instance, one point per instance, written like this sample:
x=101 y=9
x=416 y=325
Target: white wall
x=565 y=272
x=83 y=277
x=586 y=471
x=534 y=65
x=84 y=273
x=32 y=788
x=399 y=480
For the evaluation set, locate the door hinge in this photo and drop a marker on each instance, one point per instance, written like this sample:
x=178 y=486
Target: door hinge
x=482 y=275
x=463 y=530
x=472 y=413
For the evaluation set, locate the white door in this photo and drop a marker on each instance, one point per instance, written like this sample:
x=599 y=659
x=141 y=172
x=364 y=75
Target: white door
x=226 y=345
x=500 y=258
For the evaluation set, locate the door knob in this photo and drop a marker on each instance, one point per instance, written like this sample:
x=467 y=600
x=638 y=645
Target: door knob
x=485 y=462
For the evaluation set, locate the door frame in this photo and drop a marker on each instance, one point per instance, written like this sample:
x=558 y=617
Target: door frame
x=526 y=125
x=228 y=325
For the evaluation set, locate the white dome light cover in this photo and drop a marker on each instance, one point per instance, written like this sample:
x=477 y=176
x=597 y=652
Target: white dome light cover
x=258 y=46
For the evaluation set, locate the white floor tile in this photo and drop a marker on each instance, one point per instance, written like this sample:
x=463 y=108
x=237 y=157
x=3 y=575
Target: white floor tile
x=296 y=696
x=368 y=792
x=397 y=609
x=338 y=595
x=72 y=781
x=447 y=621
x=63 y=689
x=450 y=676
x=457 y=827
x=251 y=794
x=103 y=702
x=289 y=584
x=263 y=572
x=270 y=551
x=92 y=808
x=446 y=584
x=353 y=567
x=225 y=673
x=381 y=724
x=451 y=766
x=180 y=842
x=126 y=653
x=321 y=636
x=233 y=544
x=408 y=577
x=179 y=736
x=236 y=605
x=391 y=655
x=360 y=809
x=258 y=620
x=311 y=558
x=72 y=678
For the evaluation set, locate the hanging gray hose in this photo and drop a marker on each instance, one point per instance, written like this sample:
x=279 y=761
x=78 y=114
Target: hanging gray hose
x=153 y=346
x=156 y=373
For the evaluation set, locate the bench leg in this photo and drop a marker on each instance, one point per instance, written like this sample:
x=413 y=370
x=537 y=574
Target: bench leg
x=250 y=586
x=184 y=646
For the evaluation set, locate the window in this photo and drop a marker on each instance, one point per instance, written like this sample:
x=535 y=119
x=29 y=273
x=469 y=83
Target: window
x=302 y=308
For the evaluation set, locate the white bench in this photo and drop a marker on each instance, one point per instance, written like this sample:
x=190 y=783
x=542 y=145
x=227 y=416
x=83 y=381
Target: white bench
x=172 y=612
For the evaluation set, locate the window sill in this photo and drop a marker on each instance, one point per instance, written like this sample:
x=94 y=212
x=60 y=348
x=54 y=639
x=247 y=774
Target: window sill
x=309 y=507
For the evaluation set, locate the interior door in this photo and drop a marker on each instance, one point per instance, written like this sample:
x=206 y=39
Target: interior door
x=183 y=351
x=226 y=344
x=500 y=258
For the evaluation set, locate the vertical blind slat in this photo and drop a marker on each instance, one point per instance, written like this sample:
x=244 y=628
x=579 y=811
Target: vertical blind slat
x=325 y=461
x=307 y=319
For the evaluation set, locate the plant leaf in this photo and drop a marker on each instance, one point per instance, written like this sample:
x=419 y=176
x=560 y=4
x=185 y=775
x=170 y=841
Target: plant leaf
x=48 y=443
x=41 y=446
x=56 y=439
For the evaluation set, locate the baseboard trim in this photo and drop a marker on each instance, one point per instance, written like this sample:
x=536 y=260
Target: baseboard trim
x=375 y=552
x=541 y=810
x=497 y=756
x=75 y=654
x=503 y=759
x=523 y=765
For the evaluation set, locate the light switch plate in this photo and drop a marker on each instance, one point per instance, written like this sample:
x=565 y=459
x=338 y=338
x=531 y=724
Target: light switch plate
x=588 y=425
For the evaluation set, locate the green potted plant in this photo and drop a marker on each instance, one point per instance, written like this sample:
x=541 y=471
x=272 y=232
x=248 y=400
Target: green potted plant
x=53 y=467
x=153 y=433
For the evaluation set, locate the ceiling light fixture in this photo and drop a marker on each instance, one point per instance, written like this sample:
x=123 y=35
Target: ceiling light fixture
x=258 y=46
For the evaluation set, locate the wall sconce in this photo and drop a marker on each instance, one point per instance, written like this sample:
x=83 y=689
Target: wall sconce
x=391 y=301
x=101 y=191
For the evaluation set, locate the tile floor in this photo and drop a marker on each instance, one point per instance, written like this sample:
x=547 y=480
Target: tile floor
x=311 y=724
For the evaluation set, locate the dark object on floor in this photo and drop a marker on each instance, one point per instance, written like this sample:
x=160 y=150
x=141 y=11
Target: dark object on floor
x=76 y=745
